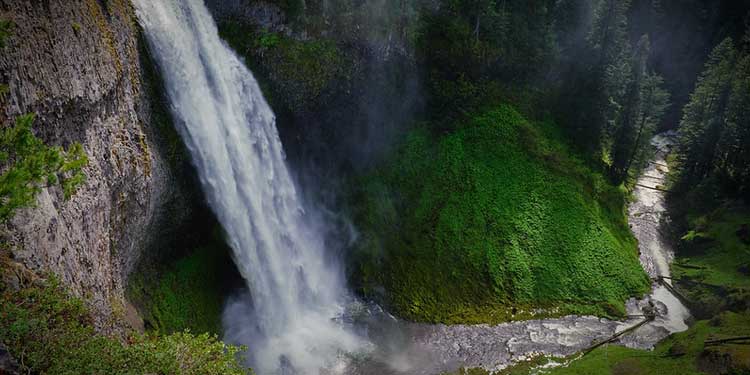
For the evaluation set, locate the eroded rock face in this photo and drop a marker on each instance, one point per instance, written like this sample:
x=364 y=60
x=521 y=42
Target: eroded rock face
x=75 y=63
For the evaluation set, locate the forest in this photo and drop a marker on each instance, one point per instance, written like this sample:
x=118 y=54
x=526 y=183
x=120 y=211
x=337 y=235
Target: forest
x=435 y=187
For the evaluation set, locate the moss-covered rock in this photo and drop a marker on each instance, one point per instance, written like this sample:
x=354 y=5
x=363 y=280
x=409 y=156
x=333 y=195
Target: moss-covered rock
x=460 y=227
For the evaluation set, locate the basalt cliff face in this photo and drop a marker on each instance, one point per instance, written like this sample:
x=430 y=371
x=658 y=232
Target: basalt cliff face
x=77 y=64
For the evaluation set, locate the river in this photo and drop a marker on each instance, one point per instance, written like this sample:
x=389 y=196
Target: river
x=407 y=348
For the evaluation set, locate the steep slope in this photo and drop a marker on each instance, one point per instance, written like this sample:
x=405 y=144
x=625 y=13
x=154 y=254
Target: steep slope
x=76 y=64
x=490 y=221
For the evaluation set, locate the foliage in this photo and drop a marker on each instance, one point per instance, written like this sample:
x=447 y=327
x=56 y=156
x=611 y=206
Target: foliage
x=645 y=104
x=495 y=213
x=594 y=87
x=712 y=250
x=49 y=331
x=714 y=136
x=468 y=48
x=185 y=294
x=28 y=164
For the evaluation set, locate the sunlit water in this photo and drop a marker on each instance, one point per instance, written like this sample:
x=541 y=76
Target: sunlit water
x=294 y=318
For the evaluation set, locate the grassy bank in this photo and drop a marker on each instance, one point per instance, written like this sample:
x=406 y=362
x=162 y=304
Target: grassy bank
x=489 y=221
x=48 y=331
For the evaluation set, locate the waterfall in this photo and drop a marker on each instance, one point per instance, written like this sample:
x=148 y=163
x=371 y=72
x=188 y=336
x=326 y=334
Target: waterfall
x=277 y=243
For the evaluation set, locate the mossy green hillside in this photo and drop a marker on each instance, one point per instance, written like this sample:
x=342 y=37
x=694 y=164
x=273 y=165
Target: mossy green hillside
x=460 y=227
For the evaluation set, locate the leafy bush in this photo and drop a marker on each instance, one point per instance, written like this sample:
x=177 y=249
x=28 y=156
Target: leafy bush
x=49 y=332
x=493 y=215
x=28 y=164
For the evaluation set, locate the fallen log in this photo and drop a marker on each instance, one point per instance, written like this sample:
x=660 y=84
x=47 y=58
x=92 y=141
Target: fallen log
x=653 y=188
x=619 y=334
x=730 y=340
x=659 y=164
x=672 y=290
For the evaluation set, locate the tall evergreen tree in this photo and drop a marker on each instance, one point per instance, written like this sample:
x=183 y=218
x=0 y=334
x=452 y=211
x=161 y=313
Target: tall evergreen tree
x=597 y=81
x=705 y=115
x=645 y=104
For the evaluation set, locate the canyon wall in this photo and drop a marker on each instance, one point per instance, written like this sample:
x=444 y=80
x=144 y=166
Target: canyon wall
x=77 y=65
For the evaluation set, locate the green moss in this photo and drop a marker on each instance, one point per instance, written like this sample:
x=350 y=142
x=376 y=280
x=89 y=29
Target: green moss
x=49 y=332
x=302 y=73
x=185 y=294
x=490 y=221
x=6 y=30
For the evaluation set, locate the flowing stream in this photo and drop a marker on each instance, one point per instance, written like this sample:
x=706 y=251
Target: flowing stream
x=298 y=317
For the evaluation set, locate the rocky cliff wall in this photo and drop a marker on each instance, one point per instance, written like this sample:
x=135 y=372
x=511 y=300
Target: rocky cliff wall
x=76 y=64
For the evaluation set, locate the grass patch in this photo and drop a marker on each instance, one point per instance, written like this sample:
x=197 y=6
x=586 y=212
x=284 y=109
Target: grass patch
x=491 y=221
x=713 y=252
x=48 y=331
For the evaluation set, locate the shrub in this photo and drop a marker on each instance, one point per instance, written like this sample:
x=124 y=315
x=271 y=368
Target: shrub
x=28 y=164
x=50 y=332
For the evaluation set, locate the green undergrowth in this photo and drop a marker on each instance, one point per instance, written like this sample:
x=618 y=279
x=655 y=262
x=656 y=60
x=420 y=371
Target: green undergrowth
x=48 y=331
x=491 y=221
x=713 y=251
x=186 y=292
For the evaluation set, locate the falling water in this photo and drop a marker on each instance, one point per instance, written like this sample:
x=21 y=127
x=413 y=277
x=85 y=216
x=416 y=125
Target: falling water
x=277 y=245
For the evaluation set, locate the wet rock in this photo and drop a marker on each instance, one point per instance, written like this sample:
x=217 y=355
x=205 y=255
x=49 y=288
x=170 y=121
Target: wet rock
x=8 y=365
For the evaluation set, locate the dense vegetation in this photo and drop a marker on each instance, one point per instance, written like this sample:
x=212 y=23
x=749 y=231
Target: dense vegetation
x=497 y=213
x=50 y=332
x=459 y=223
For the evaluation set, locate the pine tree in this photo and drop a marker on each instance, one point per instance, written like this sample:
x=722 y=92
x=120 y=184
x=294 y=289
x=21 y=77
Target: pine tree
x=705 y=116
x=625 y=134
x=645 y=105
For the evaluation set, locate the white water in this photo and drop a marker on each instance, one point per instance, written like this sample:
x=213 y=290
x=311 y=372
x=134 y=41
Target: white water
x=291 y=319
x=277 y=245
